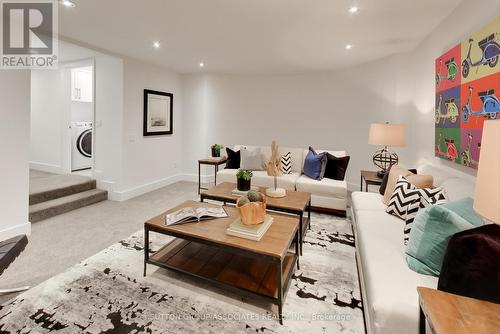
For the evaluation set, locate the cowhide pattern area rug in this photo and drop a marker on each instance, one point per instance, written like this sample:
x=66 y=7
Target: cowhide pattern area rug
x=107 y=293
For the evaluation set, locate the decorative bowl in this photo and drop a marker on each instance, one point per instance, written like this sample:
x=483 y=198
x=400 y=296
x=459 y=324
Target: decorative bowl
x=253 y=213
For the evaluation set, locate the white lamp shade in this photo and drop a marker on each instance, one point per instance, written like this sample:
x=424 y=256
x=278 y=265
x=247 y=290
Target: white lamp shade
x=387 y=134
x=487 y=195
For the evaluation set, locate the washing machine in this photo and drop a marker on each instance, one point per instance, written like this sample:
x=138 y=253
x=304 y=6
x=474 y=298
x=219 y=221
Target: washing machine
x=81 y=145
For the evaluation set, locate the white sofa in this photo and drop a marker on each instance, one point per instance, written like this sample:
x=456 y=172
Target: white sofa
x=388 y=286
x=326 y=195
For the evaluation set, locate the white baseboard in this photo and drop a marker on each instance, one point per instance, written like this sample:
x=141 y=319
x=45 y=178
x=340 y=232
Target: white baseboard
x=145 y=188
x=15 y=230
x=194 y=178
x=43 y=167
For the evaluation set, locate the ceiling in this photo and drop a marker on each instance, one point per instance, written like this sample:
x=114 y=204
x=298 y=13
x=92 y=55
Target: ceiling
x=252 y=36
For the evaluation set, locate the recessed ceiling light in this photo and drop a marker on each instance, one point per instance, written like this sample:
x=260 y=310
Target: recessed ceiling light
x=353 y=9
x=202 y=64
x=68 y=3
x=156 y=45
x=348 y=47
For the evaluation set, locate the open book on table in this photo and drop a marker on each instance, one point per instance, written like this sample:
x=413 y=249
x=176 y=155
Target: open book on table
x=195 y=214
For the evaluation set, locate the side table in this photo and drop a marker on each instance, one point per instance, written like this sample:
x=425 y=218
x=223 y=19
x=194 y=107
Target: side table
x=447 y=313
x=370 y=178
x=216 y=162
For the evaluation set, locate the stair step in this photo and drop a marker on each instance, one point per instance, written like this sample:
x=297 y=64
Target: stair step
x=65 y=186
x=44 y=210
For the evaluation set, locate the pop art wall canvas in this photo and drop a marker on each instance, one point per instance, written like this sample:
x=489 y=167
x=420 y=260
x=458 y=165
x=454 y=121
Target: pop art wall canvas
x=467 y=93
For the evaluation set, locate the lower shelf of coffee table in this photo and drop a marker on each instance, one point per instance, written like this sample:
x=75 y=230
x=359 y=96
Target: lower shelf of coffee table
x=255 y=275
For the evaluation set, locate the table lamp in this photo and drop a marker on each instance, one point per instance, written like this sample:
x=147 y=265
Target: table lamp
x=386 y=135
x=487 y=194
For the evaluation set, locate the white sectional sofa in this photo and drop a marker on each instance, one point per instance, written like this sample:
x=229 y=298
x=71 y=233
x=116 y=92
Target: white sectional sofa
x=326 y=195
x=388 y=286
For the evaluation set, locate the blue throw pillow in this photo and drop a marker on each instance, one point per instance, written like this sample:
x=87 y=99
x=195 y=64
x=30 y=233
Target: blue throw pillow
x=315 y=164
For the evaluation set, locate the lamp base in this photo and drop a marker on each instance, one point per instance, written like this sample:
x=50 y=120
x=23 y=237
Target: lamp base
x=384 y=159
x=275 y=192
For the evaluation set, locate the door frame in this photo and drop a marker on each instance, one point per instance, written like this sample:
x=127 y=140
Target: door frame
x=66 y=123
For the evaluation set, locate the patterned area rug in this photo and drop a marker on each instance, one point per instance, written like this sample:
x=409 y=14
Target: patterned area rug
x=107 y=294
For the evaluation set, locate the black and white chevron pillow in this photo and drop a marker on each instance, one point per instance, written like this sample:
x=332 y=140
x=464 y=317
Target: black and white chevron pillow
x=411 y=213
x=286 y=163
x=404 y=194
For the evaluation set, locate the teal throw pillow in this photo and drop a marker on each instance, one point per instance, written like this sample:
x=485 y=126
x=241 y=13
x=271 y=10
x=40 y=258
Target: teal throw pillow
x=432 y=229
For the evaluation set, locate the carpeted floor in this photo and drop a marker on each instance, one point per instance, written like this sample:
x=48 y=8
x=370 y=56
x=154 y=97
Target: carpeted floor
x=60 y=242
x=106 y=293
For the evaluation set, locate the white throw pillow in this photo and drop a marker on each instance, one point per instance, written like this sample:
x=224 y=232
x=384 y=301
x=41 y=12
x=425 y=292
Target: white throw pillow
x=251 y=159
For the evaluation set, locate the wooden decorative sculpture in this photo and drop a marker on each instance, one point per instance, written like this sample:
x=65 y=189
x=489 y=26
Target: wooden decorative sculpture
x=273 y=169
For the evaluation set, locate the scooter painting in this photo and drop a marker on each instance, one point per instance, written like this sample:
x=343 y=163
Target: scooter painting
x=490 y=51
x=451 y=71
x=490 y=105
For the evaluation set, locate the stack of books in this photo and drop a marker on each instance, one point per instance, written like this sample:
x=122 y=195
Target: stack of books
x=252 y=232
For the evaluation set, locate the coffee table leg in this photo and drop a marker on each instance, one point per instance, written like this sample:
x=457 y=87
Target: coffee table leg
x=301 y=237
x=280 y=292
x=216 y=170
x=199 y=178
x=146 y=248
x=309 y=214
x=297 y=249
x=421 y=322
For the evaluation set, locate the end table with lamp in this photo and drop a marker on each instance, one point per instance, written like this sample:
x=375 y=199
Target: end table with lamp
x=370 y=178
x=386 y=135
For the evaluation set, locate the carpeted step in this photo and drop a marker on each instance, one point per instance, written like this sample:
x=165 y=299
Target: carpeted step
x=59 y=186
x=64 y=204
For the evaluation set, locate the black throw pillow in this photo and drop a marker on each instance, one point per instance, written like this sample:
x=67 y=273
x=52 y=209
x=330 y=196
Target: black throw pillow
x=336 y=167
x=233 y=159
x=383 y=185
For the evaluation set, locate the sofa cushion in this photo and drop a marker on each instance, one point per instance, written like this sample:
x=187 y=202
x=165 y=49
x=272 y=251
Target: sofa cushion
x=385 y=179
x=286 y=163
x=285 y=181
x=433 y=227
x=315 y=164
x=336 y=167
x=251 y=159
x=457 y=188
x=406 y=193
x=390 y=286
x=227 y=175
x=412 y=211
x=394 y=174
x=233 y=159
x=326 y=187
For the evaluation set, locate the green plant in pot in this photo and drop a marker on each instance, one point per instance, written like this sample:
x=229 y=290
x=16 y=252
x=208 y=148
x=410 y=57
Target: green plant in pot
x=243 y=179
x=216 y=150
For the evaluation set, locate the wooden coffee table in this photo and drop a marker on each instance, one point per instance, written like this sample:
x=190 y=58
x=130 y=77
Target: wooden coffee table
x=204 y=250
x=295 y=202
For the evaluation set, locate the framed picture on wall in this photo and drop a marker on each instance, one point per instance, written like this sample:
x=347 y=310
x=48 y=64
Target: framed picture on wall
x=158 y=113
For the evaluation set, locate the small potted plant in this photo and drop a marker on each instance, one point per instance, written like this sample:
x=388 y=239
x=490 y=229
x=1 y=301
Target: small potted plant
x=216 y=150
x=243 y=179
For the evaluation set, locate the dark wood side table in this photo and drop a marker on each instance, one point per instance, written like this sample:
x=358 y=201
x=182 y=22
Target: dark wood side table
x=216 y=162
x=370 y=178
x=447 y=313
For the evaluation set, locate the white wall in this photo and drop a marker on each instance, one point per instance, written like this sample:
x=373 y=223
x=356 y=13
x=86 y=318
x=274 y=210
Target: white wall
x=108 y=128
x=330 y=110
x=14 y=145
x=327 y=110
x=149 y=162
x=466 y=19
x=47 y=120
